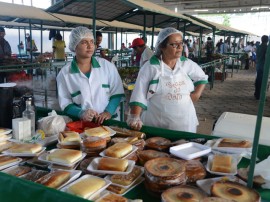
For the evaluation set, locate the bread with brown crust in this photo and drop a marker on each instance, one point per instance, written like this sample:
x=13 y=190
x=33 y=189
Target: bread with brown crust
x=54 y=179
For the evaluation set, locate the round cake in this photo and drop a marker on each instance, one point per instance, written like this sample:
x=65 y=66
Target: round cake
x=216 y=199
x=163 y=173
x=93 y=145
x=146 y=155
x=158 y=143
x=183 y=193
x=234 y=191
x=243 y=174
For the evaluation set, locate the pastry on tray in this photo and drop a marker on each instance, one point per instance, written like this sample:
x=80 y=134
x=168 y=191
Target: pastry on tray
x=54 y=179
x=98 y=131
x=230 y=142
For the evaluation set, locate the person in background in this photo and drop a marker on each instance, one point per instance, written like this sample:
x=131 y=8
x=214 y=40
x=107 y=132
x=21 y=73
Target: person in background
x=5 y=49
x=99 y=50
x=123 y=47
x=209 y=48
x=185 y=49
x=166 y=87
x=248 y=51
x=89 y=87
x=261 y=55
x=142 y=49
x=59 y=48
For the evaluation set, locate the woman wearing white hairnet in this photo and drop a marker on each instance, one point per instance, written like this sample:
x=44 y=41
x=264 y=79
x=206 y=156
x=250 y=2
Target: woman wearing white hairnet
x=88 y=87
x=166 y=87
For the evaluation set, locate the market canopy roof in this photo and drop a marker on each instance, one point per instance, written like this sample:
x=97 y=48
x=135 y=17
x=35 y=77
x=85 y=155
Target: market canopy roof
x=222 y=29
x=136 y=12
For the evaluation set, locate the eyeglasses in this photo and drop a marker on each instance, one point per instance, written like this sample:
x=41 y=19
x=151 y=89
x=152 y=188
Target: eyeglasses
x=176 y=45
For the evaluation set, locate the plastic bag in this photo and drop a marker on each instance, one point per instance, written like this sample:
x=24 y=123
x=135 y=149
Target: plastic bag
x=53 y=124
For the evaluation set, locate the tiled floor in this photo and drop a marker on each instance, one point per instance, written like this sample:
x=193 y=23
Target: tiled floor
x=235 y=94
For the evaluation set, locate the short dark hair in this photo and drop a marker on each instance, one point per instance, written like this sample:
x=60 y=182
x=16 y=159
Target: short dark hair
x=2 y=29
x=98 y=33
x=264 y=39
x=58 y=36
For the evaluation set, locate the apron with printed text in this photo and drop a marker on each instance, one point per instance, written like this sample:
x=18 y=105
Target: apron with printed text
x=171 y=106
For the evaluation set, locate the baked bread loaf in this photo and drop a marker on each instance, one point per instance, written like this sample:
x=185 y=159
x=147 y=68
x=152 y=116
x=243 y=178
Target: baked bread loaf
x=113 y=164
x=112 y=198
x=118 y=150
x=158 y=143
x=183 y=193
x=126 y=180
x=100 y=131
x=222 y=163
x=116 y=189
x=94 y=142
x=4 y=160
x=66 y=156
x=69 y=137
x=35 y=175
x=146 y=155
x=6 y=145
x=230 y=142
x=26 y=148
x=54 y=179
x=123 y=132
x=234 y=191
x=18 y=170
x=194 y=171
x=87 y=186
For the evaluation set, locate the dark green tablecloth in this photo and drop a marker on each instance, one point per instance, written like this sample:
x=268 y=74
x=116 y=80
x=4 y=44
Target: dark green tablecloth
x=13 y=189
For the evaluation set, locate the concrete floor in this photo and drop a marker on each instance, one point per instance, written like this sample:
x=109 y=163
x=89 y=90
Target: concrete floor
x=235 y=94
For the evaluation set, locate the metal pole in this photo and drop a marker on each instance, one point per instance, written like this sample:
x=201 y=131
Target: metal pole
x=153 y=32
x=259 y=118
x=41 y=35
x=94 y=21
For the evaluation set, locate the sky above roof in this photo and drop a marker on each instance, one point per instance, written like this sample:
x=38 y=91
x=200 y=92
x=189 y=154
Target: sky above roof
x=36 y=3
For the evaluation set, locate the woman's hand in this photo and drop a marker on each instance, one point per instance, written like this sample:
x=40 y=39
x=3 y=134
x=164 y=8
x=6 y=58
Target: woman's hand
x=88 y=115
x=102 y=117
x=195 y=97
x=134 y=122
x=196 y=94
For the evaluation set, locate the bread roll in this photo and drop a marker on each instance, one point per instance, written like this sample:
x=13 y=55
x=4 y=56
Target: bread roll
x=98 y=131
x=69 y=137
x=116 y=189
x=54 y=179
x=126 y=180
x=222 y=163
x=26 y=148
x=112 y=198
x=229 y=142
x=4 y=160
x=66 y=156
x=113 y=164
x=87 y=186
x=123 y=132
x=118 y=150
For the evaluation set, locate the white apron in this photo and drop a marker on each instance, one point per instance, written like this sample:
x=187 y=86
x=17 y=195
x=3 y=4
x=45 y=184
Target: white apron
x=171 y=106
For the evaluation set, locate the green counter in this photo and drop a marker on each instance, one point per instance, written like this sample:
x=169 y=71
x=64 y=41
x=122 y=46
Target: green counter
x=18 y=190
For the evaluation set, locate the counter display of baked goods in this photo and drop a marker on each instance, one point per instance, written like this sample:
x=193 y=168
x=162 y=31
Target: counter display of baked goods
x=155 y=179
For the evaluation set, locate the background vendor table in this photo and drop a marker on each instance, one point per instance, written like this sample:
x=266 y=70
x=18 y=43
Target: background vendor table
x=15 y=189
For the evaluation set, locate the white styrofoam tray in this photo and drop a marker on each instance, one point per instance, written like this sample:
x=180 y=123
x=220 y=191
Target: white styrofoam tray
x=190 y=150
x=10 y=164
x=7 y=152
x=233 y=164
x=107 y=183
x=134 y=148
x=93 y=167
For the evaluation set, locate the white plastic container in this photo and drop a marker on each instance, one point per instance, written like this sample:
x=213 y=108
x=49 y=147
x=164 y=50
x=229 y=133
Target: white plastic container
x=241 y=126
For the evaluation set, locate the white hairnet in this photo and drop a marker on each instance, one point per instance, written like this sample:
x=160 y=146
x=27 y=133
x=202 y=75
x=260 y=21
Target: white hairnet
x=77 y=34
x=163 y=34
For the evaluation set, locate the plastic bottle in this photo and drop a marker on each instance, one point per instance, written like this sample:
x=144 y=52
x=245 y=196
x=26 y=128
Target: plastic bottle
x=29 y=113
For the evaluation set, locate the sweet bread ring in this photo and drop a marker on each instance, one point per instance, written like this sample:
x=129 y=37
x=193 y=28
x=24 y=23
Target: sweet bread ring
x=149 y=154
x=234 y=191
x=216 y=199
x=183 y=193
x=164 y=168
